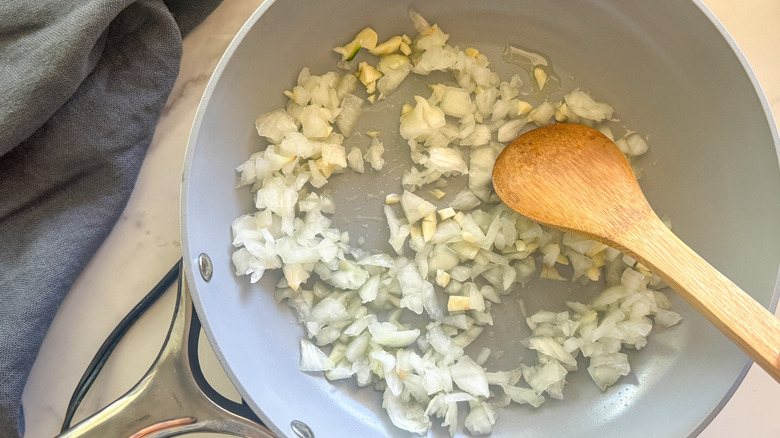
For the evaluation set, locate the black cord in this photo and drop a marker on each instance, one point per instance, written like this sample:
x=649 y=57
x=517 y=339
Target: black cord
x=91 y=374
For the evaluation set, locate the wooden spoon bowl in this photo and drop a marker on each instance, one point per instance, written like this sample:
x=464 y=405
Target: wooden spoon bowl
x=575 y=179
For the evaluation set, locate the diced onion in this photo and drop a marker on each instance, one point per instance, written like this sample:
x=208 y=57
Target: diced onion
x=415 y=207
x=584 y=106
x=313 y=359
x=365 y=307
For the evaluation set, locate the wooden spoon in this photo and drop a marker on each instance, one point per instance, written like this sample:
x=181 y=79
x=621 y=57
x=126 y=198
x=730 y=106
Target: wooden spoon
x=573 y=178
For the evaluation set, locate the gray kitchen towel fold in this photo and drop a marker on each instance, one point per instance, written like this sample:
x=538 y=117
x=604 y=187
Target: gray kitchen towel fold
x=82 y=84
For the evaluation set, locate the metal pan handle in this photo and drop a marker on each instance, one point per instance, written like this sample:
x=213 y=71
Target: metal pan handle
x=173 y=398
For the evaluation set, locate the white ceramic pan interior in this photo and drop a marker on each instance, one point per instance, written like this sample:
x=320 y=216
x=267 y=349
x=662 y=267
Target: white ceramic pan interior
x=671 y=73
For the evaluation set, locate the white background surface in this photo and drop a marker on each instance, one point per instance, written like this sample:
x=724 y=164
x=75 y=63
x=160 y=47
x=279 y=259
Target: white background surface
x=146 y=243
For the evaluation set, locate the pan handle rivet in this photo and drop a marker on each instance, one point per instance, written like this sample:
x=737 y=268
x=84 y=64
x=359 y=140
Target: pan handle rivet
x=301 y=430
x=205 y=266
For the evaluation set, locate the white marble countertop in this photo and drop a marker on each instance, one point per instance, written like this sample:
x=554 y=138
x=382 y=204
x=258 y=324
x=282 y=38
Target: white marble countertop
x=146 y=243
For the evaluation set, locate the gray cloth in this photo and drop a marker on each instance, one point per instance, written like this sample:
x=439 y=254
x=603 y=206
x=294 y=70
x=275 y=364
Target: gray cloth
x=82 y=84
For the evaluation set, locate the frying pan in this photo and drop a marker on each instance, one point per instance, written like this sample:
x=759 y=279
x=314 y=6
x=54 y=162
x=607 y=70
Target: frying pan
x=671 y=72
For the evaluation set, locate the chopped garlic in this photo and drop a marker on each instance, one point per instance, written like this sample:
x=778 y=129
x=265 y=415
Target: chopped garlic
x=429 y=226
x=365 y=38
x=594 y=273
x=540 y=76
x=446 y=213
x=387 y=47
x=562 y=113
x=523 y=108
x=471 y=52
x=438 y=193
x=368 y=75
x=456 y=303
x=551 y=273
x=414 y=231
x=442 y=278
x=392 y=199
x=405 y=48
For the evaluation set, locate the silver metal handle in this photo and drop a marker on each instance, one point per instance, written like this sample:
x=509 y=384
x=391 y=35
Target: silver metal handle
x=173 y=398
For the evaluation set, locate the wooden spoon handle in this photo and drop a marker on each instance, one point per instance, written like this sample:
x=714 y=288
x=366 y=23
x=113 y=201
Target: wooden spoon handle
x=748 y=324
